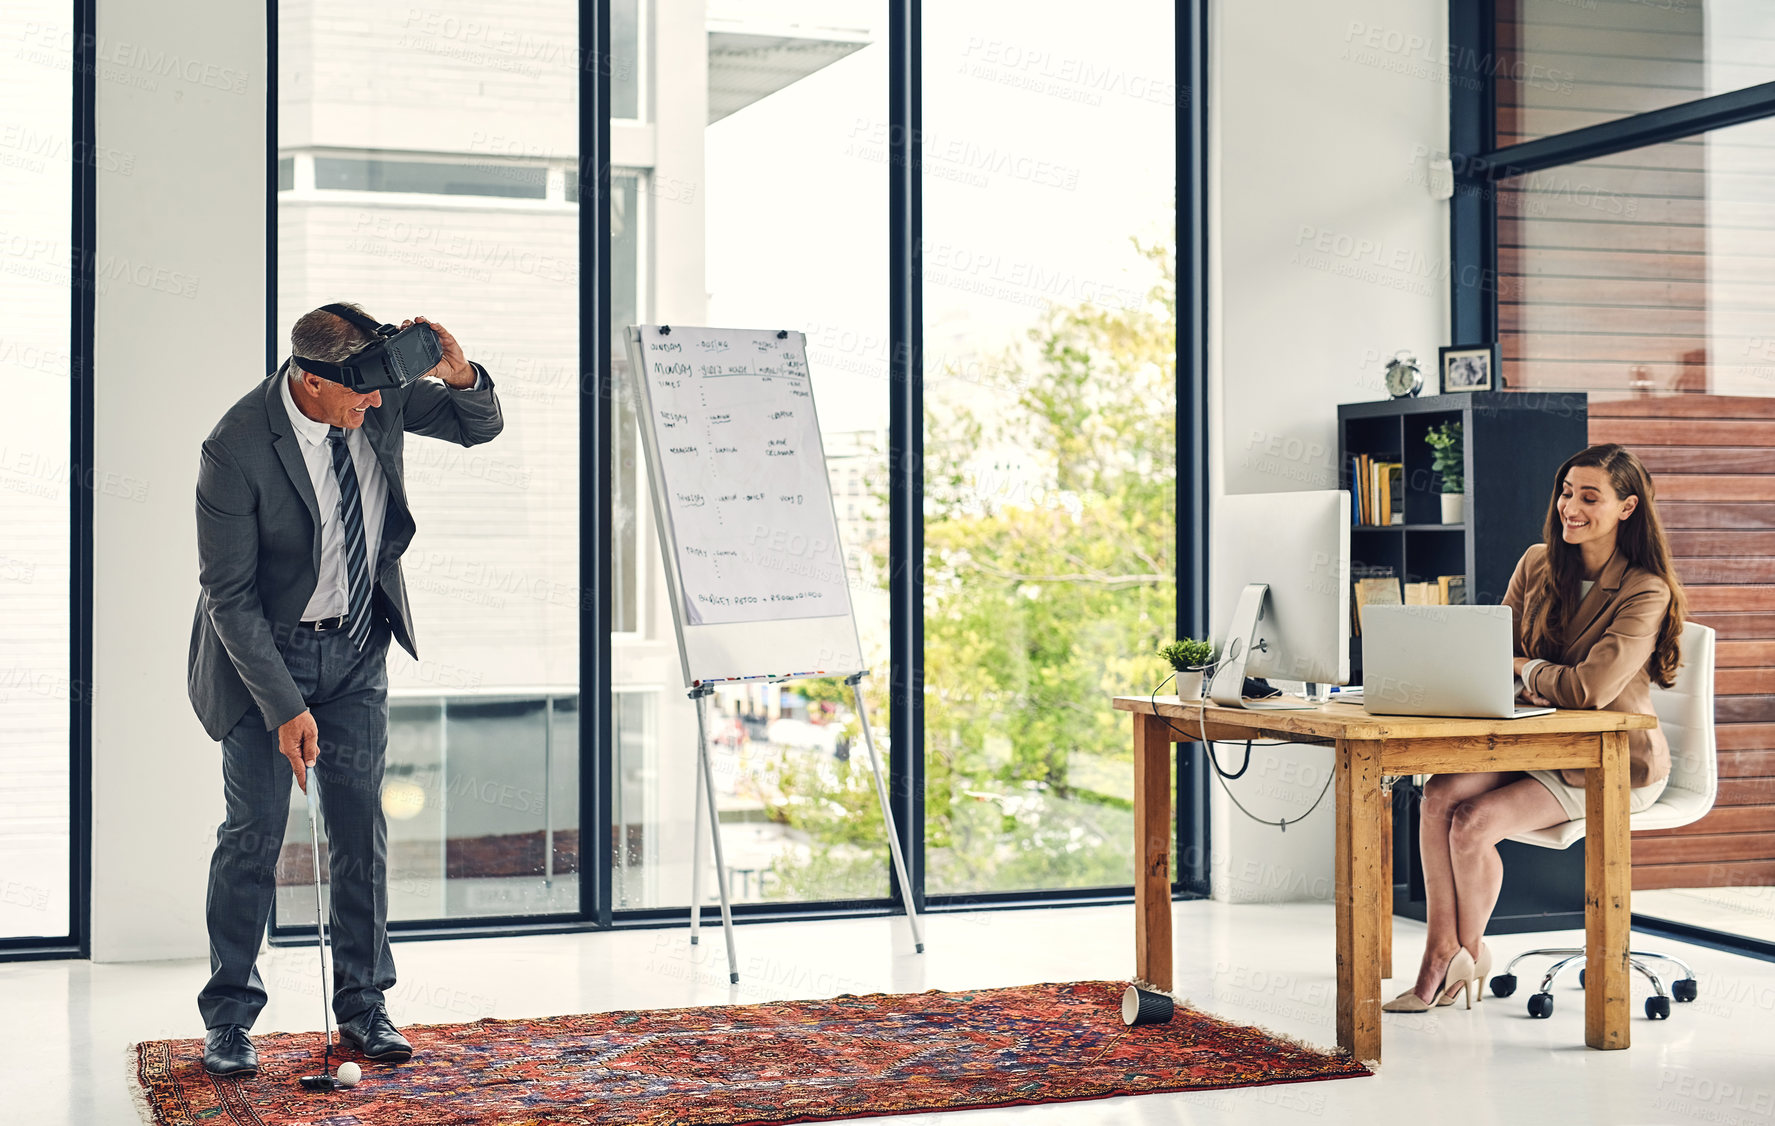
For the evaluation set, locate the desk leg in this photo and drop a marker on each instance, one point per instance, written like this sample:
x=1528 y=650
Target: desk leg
x=1152 y=851
x=1384 y=916
x=1358 y=847
x=1608 y=1012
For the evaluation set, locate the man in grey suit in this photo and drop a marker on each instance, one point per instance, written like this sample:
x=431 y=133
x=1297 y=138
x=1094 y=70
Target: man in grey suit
x=302 y=518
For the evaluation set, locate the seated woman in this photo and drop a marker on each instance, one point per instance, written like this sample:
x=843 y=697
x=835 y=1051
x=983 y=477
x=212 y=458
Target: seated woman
x=1599 y=614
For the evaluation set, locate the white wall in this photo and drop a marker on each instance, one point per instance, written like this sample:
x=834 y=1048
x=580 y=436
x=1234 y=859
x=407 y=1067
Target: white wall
x=1327 y=254
x=180 y=335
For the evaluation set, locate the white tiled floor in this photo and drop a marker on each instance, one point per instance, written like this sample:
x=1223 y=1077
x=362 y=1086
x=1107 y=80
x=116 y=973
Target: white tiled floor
x=68 y=1023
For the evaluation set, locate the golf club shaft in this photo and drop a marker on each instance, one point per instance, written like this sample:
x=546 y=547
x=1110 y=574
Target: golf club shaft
x=320 y=929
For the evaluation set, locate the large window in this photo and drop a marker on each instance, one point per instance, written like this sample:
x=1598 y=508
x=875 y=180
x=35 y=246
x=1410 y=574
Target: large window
x=433 y=166
x=1639 y=266
x=1049 y=173
x=38 y=160
x=768 y=206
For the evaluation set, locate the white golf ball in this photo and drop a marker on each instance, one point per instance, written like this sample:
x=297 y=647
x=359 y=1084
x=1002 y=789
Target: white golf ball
x=349 y=1073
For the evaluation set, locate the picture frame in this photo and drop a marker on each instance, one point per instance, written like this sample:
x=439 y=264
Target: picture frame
x=1469 y=367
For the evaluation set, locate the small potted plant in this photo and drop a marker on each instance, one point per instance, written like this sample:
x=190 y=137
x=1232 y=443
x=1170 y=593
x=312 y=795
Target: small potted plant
x=1189 y=659
x=1448 y=460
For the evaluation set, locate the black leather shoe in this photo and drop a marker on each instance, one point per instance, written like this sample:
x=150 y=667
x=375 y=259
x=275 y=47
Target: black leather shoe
x=376 y=1036
x=227 y=1051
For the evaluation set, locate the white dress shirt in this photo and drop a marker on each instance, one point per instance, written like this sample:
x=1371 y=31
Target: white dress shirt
x=331 y=596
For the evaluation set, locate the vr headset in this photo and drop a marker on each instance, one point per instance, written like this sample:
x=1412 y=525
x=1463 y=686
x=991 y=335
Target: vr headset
x=397 y=357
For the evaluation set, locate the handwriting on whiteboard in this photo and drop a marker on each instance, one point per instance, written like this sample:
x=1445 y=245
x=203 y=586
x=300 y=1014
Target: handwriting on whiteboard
x=745 y=474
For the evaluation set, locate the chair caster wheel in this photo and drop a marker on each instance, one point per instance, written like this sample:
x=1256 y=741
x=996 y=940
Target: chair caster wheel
x=1540 y=1006
x=1657 y=1008
x=1683 y=989
x=1503 y=985
x=1580 y=979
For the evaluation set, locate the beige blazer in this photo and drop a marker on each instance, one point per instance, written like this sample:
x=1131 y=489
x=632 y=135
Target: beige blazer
x=1613 y=635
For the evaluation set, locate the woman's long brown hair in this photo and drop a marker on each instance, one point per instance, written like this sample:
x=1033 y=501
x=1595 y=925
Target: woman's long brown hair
x=1549 y=606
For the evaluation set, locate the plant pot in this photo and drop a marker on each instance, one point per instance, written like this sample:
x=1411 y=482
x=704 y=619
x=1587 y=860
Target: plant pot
x=1453 y=507
x=1189 y=685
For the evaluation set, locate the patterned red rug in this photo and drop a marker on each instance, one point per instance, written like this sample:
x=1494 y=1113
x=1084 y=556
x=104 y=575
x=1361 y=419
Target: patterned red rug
x=789 y=1061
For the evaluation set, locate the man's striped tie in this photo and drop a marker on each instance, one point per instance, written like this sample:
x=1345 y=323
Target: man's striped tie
x=357 y=565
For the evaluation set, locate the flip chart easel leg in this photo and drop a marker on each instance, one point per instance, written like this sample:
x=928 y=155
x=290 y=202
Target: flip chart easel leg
x=699 y=698
x=696 y=850
x=887 y=813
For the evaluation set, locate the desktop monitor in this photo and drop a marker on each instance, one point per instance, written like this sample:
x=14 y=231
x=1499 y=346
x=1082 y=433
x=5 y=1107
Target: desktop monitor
x=1279 y=567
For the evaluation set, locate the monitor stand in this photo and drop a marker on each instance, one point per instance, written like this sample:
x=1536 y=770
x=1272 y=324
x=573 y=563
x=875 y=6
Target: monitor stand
x=1227 y=687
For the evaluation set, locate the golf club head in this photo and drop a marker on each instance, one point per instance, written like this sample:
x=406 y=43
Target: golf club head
x=321 y=1082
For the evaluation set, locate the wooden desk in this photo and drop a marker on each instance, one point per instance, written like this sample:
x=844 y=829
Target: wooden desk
x=1366 y=748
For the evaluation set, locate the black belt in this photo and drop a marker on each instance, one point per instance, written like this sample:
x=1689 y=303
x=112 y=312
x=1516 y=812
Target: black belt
x=326 y=625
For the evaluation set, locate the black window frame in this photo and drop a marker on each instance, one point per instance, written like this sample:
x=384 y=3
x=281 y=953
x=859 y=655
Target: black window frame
x=906 y=781
x=1480 y=165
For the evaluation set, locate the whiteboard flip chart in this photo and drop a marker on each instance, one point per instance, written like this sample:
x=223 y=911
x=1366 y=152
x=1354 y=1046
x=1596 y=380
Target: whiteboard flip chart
x=742 y=500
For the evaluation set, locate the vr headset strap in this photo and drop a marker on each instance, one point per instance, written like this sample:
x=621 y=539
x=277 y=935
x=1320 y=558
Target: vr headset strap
x=338 y=373
x=347 y=313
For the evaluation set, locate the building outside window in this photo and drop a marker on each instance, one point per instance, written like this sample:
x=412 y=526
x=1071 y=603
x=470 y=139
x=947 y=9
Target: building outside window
x=439 y=187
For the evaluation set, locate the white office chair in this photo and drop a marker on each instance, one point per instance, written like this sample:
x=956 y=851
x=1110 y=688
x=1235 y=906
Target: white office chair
x=1685 y=713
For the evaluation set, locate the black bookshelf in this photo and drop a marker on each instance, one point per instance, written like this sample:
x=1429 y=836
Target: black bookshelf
x=1515 y=442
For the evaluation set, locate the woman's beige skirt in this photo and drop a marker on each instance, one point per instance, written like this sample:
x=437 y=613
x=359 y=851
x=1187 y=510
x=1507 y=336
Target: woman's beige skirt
x=1571 y=797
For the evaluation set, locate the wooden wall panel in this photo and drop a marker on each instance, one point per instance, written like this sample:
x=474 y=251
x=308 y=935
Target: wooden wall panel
x=1741 y=874
x=1713 y=458
x=1615 y=277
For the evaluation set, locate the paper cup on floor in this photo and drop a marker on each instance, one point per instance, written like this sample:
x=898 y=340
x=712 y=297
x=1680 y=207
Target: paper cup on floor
x=1141 y=1007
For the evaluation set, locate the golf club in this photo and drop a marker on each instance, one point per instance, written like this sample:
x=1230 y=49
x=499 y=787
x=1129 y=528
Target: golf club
x=326 y=1080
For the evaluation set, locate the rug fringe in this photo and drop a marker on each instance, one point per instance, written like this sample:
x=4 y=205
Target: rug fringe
x=138 y=1094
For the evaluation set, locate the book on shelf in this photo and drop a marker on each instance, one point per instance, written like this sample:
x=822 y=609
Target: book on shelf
x=1423 y=594
x=1373 y=589
x=1444 y=590
x=1380 y=491
x=1454 y=589
x=1358 y=477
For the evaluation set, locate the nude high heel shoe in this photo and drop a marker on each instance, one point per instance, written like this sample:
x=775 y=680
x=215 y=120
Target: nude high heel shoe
x=1481 y=968
x=1459 y=976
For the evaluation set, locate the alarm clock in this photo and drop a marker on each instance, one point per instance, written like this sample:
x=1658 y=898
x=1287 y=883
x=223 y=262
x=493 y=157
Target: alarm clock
x=1403 y=377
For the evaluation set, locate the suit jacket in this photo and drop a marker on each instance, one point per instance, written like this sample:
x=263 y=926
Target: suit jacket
x=1604 y=664
x=258 y=539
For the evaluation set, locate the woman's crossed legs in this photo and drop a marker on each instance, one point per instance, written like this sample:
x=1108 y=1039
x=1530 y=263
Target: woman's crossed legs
x=1464 y=816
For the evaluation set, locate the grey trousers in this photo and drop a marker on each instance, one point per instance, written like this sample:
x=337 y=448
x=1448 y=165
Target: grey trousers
x=347 y=692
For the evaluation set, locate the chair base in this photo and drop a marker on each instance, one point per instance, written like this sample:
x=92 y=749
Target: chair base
x=1540 y=1004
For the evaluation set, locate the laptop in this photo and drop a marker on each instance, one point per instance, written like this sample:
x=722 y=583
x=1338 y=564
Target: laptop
x=1440 y=661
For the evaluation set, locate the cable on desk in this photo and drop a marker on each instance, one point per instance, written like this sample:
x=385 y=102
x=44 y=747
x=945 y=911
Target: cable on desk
x=1221 y=774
